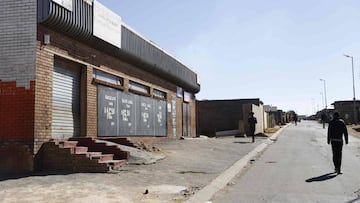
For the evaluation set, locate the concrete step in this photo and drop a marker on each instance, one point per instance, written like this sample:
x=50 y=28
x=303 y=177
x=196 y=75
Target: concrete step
x=103 y=157
x=67 y=144
x=79 y=150
x=122 y=141
x=114 y=164
x=91 y=154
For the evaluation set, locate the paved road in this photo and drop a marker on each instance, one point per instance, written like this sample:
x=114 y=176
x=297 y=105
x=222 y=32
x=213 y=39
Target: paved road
x=298 y=168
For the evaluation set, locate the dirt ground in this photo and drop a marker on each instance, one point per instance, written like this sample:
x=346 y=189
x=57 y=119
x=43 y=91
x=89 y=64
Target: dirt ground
x=189 y=165
x=354 y=130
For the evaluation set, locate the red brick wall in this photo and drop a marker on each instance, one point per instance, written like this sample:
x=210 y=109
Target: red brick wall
x=16 y=127
x=16 y=111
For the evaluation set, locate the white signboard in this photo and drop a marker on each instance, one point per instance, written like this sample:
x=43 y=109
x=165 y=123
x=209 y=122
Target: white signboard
x=107 y=24
x=68 y=4
x=88 y=1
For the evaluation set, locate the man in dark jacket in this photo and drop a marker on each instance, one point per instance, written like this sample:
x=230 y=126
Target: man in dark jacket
x=336 y=131
x=252 y=124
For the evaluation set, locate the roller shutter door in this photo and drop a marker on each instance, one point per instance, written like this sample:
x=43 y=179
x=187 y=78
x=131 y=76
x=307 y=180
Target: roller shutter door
x=66 y=103
x=186 y=120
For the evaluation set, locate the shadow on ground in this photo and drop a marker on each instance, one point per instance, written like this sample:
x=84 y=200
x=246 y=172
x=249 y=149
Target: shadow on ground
x=324 y=177
x=243 y=142
x=4 y=177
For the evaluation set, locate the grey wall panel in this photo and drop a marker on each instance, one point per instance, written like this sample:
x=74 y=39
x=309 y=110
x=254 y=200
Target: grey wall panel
x=127 y=113
x=107 y=111
x=160 y=118
x=133 y=115
x=146 y=114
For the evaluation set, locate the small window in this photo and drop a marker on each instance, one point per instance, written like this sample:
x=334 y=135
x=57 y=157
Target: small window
x=179 y=92
x=107 y=78
x=139 y=88
x=159 y=94
x=188 y=97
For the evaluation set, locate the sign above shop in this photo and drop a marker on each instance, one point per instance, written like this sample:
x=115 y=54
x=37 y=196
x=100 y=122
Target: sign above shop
x=107 y=24
x=68 y=4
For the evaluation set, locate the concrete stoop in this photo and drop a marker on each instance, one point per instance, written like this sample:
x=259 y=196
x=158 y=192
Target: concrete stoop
x=81 y=155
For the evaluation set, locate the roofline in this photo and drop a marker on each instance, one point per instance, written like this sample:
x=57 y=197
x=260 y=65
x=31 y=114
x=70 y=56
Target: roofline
x=157 y=46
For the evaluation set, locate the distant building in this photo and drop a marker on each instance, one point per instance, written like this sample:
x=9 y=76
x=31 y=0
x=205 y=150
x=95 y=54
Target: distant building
x=270 y=113
x=346 y=110
x=215 y=116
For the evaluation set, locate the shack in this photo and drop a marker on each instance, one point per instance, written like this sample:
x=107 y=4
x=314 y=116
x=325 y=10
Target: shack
x=217 y=117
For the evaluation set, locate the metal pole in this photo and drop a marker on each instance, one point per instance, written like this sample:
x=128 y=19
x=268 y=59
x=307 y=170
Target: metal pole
x=322 y=99
x=324 y=92
x=354 y=100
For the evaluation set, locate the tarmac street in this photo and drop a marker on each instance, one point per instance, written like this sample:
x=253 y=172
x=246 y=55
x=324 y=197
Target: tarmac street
x=298 y=168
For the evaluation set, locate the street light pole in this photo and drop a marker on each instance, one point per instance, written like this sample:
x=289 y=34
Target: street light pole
x=322 y=99
x=354 y=100
x=324 y=92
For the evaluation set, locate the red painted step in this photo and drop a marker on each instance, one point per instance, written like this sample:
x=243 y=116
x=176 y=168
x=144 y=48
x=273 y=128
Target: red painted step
x=67 y=144
x=114 y=164
x=79 y=150
x=103 y=157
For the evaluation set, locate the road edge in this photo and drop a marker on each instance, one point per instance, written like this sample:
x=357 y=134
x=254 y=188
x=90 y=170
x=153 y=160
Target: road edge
x=206 y=193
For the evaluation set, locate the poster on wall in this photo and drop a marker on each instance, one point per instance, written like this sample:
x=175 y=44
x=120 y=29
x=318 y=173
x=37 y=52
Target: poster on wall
x=160 y=118
x=107 y=24
x=65 y=3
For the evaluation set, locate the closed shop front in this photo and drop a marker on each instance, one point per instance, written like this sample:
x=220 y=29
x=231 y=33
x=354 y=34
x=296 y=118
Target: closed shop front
x=127 y=114
x=65 y=101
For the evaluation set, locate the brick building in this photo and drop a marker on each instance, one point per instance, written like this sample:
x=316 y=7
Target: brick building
x=214 y=116
x=72 y=68
x=346 y=110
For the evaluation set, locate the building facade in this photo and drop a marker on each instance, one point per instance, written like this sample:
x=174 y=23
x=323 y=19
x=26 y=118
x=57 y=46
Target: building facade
x=346 y=110
x=214 y=116
x=72 y=68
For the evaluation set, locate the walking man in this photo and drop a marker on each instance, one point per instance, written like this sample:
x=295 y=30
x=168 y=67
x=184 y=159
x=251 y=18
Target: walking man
x=336 y=131
x=252 y=123
x=323 y=119
x=295 y=119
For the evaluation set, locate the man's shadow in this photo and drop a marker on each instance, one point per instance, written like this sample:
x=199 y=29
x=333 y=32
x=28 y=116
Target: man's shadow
x=324 y=177
x=243 y=142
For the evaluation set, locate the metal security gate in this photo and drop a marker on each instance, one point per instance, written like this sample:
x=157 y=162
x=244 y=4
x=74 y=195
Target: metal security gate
x=127 y=114
x=66 y=102
x=186 y=120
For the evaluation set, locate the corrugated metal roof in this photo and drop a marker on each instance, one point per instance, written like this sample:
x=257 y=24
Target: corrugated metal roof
x=76 y=24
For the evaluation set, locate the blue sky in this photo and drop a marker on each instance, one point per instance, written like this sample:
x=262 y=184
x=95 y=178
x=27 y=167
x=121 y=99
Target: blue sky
x=273 y=50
